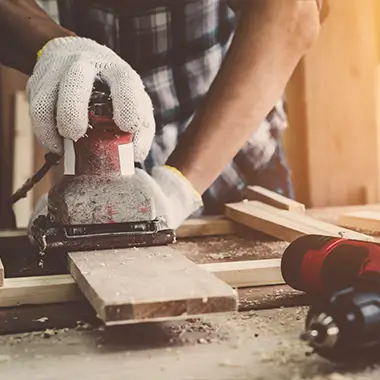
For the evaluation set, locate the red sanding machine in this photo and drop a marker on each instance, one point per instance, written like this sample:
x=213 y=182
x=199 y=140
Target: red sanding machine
x=99 y=203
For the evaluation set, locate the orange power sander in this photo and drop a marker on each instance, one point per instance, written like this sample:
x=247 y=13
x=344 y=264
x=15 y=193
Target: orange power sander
x=99 y=203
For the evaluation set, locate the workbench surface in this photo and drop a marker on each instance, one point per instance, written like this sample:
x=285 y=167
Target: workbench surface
x=259 y=342
x=249 y=345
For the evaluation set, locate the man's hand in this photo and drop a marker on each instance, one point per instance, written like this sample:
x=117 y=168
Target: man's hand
x=60 y=87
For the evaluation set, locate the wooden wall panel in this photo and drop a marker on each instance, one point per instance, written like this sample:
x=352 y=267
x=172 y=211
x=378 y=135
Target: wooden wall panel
x=11 y=82
x=333 y=140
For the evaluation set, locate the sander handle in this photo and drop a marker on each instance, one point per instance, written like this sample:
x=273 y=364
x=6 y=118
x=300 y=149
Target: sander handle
x=99 y=112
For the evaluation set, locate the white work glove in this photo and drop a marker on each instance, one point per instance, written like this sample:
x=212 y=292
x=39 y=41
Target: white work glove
x=174 y=196
x=61 y=84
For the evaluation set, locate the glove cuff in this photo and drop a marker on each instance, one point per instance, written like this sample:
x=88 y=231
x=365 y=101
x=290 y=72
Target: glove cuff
x=195 y=192
x=184 y=199
x=57 y=42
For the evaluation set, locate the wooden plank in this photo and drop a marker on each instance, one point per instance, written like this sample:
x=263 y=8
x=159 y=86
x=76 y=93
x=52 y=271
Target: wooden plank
x=148 y=284
x=334 y=90
x=242 y=274
x=283 y=224
x=206 y=226
x=23 y=155
x=40 y=290
x=10 y=82
x=258 y=193
x=361 y=220
x=1 y=274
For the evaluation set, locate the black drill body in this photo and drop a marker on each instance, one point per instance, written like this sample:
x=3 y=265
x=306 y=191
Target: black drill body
x=343 y=275
x=346 y=325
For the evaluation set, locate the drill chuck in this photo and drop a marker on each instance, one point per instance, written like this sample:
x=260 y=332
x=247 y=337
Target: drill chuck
x=346 y=325
x=322 y=332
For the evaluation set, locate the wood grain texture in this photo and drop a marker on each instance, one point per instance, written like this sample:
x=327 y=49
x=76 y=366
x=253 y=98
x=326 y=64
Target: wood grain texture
x=335 y=89
x=283 y=224
x=242 y=274
x=23 y=157
x=1 y=274
x=148 y=284
x=258 y=193
x=206 y=226
x=41 y=290
x=361 y=220
x=38 y=290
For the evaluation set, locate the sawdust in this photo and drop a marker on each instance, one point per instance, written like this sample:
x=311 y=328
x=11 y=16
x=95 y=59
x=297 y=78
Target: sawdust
x=229 y=248
x=197 y=331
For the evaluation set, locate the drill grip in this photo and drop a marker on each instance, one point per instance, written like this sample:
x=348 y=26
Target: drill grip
x=322 y=264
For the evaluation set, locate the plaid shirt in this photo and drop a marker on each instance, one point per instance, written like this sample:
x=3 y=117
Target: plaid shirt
x=177 y=46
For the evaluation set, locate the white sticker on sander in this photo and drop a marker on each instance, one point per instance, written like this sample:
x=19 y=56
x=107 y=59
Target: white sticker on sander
x=69 y=158
x=126 y=159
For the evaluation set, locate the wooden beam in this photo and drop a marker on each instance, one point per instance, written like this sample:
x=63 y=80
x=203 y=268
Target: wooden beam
x=258 y=193
x=361 y=220
x=206 y=226
x=41 y=290
x=147 y=284
x=1 y=274
x=23 y=157
x=243 y=274
x=283 y=224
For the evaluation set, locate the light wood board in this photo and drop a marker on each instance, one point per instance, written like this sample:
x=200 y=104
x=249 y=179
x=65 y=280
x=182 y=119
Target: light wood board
x=1 y=274
x=361 y=220
x=283 y=224
x=23 y=157
x=148 y=284
x=258 y=193
x=41 y=290
x=242 y=274
x=206 y=226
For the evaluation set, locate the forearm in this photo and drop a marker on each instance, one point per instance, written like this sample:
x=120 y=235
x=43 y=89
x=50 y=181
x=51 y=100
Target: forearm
x=271 y=38
x=24 y=30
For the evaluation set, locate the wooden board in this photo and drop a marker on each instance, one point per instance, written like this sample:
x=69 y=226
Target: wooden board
x=1 y=274
x=206 y=226
x=361 y=220
x=242 y=274
x=283 y=224
x=23 y=157
x=148 y=284
x=258 y=193
x=40 y=290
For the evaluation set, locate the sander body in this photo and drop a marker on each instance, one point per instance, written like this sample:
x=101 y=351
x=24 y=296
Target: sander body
x=99 y=203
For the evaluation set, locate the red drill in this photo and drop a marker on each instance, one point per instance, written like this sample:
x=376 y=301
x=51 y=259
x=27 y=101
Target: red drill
x=323 y=264
x=344 y=322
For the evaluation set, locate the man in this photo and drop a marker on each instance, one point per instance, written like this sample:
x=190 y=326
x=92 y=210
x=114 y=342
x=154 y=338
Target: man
x=213 y=70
